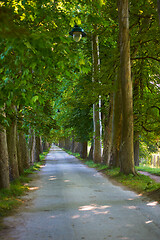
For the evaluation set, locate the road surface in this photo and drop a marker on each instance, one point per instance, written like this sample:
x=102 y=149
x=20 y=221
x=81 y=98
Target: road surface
x=74 y=202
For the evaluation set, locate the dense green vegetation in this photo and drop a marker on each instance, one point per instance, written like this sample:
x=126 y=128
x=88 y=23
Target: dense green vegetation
x=11 y=198
x=93 y=92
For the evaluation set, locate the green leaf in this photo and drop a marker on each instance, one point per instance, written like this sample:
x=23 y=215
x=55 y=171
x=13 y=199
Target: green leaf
x=34 y=99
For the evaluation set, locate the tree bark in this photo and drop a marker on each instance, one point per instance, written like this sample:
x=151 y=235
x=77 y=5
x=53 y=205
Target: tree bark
x=107 y=140
x=67 y=143
x=116 y=125
x=84 y=150
x=12 y=149
x=127 y=152
x=4 y=165
x=24 y=150
x=19 y=156
x=136 y=150
x=37 y=149
x=96 y=110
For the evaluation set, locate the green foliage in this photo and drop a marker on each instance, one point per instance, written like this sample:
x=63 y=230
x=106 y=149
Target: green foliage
x=147 y=168
x=10 y=198
x=43 y=70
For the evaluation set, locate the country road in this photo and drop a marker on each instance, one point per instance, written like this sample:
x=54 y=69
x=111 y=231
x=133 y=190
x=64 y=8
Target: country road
x=70 y=201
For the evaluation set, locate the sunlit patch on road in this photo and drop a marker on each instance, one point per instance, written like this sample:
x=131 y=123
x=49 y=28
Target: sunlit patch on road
x=150 y=221
x=75 y=216
x=33 y=188
x=152 y=204
x=52 y=178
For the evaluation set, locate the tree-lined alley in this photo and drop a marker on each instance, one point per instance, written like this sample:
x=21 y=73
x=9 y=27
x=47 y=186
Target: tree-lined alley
x=103 y=90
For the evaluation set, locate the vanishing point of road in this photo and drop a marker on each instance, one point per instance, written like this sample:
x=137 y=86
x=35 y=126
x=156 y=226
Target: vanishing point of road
x=74 y=202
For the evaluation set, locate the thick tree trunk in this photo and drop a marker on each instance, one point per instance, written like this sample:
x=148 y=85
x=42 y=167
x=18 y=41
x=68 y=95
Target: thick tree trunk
x=84 y=150
x=24 y=150
x=116 y=125
x=37 y=149
x=127 y=152
x=12 y=149
x=107 y=140
x=4 y=165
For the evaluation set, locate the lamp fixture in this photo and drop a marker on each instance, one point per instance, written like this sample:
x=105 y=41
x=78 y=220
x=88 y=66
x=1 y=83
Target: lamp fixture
x=77 y=33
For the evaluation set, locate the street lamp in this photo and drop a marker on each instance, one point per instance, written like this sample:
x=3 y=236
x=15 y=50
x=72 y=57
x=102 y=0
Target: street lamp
x=77 y=33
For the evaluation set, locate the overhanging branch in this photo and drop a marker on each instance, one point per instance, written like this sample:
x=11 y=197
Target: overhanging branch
x=138 y=58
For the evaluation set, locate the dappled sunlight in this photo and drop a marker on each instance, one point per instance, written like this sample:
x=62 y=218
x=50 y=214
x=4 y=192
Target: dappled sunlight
x=98 y=212
x=150 y=221
x=130 y=207
x=66 y=180
x=52 y=178
x=42 y=166
x=95 y=209
x=152 y=204
x=75 y=216
x=33 y=188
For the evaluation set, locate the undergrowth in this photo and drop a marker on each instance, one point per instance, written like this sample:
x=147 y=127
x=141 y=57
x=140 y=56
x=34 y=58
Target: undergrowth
x=11 y=198
x=145 y=168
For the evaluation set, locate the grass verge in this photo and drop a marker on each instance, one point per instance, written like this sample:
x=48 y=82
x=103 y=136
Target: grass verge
x=10 y=198
x=145 y=168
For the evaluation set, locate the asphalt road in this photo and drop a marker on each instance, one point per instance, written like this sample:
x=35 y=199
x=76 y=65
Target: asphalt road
x=74 y=202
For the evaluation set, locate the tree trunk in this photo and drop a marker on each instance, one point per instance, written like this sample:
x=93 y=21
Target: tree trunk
x=127 y=152
x=45 y=145
x=4 y=165
x=31 y=145
x=19 y=156
x=96 y=111
x=96 y=137
x=24 y=150
x=84 y=150
x=107 y=140
x=67 y=143
x=72 y=145
x=37 y=149
x=12 y=149
x=116 y=125
x=136 y=150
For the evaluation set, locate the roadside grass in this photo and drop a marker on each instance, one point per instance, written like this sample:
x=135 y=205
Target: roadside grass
x=11 y=198
x=139 y=183
x=147 y=168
